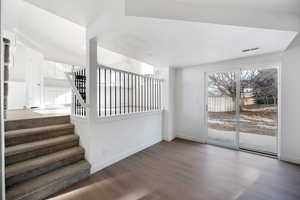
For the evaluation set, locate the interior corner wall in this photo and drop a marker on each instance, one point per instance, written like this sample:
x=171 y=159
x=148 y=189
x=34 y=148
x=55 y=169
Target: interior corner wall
x=189 y=104
x=168 y=92
x=290 y=142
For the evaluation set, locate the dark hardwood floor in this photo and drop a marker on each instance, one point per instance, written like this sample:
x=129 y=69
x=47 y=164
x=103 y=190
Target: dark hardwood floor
x=182 y=170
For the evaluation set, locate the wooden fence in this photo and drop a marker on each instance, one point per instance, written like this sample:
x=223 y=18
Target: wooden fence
x=221 y=104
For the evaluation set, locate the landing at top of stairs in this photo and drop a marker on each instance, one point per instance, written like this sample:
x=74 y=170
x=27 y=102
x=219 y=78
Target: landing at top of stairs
x=36 y=122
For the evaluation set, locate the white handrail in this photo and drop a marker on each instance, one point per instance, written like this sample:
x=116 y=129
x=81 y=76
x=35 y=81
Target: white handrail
x=75 y=90
x=127 y=72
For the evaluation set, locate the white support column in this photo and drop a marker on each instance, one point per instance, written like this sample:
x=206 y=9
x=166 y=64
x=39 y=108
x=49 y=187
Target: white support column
x=168 y=104
x=92 y=79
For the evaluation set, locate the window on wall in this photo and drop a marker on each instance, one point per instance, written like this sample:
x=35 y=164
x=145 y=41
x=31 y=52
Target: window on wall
x=56 y=70
x=57 y=90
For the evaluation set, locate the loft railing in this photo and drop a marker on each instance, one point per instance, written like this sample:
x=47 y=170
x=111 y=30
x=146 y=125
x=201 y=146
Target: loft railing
x=77 y=80
x=121 y=92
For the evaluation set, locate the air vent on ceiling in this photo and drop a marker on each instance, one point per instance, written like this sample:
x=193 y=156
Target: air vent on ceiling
x=252 y=49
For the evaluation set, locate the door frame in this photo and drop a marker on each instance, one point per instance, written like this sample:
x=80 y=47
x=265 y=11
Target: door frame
x=33 y=81
x=237 y=70
x=2 y=144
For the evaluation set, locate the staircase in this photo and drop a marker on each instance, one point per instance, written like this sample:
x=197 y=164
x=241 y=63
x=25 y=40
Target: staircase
x=42 y=157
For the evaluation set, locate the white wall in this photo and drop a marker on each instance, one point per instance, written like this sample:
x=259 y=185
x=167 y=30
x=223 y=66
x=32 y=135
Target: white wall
x=118 y=61
x=189 y=104
x=17 y=76
x=25 y=78
x=190 y=93
x=57 y=90
x=16 y=95
x=33 y=80
x=190 y=98
x=168 y=100
x=110 y=140
x=57 y=96
x=290 y=103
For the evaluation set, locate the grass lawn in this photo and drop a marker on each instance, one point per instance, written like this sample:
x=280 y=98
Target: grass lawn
x=256 y=119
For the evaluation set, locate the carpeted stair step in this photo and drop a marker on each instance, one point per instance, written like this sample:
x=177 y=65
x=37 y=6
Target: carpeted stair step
x=28 y=169
x=22 y=152
x=22 y=136
x=48 y=184
x=35 y=122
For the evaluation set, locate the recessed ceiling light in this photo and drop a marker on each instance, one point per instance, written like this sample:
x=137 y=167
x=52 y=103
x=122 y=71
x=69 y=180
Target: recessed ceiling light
x=252 y=49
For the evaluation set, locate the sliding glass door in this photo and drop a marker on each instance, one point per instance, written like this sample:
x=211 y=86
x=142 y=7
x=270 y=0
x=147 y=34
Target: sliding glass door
x=258 y=110
x=221 y=108
x=242 y=109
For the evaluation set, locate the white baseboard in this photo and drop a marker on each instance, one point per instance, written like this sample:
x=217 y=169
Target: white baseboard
x=101 y=165
x=290 y=159
x=189 y=137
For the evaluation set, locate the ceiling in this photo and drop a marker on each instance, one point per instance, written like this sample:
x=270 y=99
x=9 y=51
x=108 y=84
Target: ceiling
x=177 y=43
x=47 y=28
x=164 y=37
x=80 y=12
x=55 y=37
x=85 y=12
x=279 y=16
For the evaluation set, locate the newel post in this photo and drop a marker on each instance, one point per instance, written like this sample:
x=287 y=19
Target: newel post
x=92 y=78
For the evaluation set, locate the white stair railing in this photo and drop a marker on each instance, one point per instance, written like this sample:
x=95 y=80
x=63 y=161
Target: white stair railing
x=79 y=105
x=121 y=92
x=69 y=76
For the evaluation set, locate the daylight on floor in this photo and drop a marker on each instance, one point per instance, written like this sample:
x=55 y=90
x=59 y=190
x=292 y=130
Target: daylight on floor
x=158 y=100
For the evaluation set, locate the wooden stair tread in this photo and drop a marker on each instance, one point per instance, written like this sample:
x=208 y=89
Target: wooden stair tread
x=55 y=178
x=29 y=165
x=32 y=146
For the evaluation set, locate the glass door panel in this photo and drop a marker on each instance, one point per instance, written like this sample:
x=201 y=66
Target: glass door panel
x=258 y=110
x=221 y=108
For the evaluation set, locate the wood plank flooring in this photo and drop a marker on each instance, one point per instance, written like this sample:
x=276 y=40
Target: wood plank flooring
x=182 y=170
